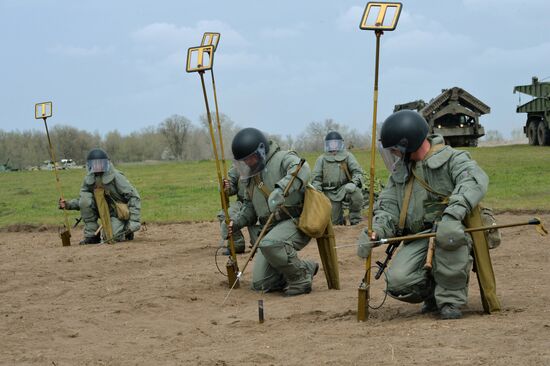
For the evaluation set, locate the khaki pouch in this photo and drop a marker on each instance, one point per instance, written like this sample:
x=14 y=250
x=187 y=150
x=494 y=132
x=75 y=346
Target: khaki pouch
x=316 y=213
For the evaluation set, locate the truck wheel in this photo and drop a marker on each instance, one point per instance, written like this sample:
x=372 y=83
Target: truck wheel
x=543 y=134
x=532 y=132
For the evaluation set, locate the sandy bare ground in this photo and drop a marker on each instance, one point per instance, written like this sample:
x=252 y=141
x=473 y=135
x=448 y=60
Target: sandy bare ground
x=157 y=301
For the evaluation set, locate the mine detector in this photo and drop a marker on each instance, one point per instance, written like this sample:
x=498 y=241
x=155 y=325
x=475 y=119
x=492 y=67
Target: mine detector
x=537 y=126
x=454 y=114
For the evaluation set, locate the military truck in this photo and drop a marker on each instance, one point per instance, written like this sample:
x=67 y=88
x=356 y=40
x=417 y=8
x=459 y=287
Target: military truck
x=454 y=114
x=537 y=126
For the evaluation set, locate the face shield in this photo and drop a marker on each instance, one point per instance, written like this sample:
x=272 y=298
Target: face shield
x=334 y=145
x=97 y=165
x=252 y=164
x=391 y=155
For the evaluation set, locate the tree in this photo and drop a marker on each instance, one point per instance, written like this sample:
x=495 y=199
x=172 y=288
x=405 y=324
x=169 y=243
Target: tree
x=175 y=130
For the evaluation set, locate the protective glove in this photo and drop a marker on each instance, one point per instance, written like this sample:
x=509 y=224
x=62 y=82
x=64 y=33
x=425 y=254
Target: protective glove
x=133 y=226
x=365 y=243
x=226 y=231
x=275 y=199
x=450 y=233
x=350 y=187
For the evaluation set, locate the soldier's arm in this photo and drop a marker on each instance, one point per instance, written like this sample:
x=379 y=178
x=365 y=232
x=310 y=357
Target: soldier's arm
x=317 y=174
x=74 y=203
x=130 y=195
x=471 y=184
x=386 y=211
x=233 y=177
x=355 y=170
x=289 y=165
x=246 y=216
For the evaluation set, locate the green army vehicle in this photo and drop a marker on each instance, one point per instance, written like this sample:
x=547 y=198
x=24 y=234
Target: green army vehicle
x=454 y=114
x=537 y=126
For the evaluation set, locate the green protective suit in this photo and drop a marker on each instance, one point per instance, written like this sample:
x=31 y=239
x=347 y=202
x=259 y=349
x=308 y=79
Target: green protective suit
x=330 y=177
x=276 y=264
x=453 y=174
x=238 y=187
x=118 y=189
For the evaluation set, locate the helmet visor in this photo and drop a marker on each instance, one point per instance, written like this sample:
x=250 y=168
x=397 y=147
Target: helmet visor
x=334 y=145
x=97 y=165
x=390 y=155
x=251 y=164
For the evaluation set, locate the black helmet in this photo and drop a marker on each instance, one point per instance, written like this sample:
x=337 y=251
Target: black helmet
x=250 y=148
x=97 y=161
x=405 y=130
x=333 y=135
x=334 y=142
x=97 y=153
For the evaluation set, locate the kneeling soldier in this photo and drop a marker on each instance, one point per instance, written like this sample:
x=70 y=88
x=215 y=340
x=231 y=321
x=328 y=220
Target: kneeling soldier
x=106 y=184
x=340 y=177
x=269 y=170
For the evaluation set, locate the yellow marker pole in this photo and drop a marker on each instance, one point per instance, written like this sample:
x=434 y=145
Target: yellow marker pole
x=382 y=21
x=232 y=266
x=364 y=287
x=65 y=235
x=220 y=138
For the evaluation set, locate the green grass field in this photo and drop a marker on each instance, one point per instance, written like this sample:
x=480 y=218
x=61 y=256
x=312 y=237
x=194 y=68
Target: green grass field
x=187 y=191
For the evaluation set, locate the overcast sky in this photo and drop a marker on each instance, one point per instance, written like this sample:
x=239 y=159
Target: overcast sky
x=280 y=64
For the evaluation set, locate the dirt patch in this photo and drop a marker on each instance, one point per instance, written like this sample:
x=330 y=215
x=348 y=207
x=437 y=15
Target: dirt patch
x=157 y=300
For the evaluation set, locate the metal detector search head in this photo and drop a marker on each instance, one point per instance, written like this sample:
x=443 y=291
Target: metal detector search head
x=200 y=58
x=43 y=110
x=380 y=16
x=210 y=39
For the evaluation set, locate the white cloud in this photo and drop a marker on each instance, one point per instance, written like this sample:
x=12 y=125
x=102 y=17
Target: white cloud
x=73 y=51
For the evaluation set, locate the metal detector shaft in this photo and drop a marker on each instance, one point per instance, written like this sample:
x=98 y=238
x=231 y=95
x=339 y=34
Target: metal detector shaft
x=223 y=197
x=266 y=226
x=364 y=288
x=66 y=241
x=534 y=221
x=220 y=138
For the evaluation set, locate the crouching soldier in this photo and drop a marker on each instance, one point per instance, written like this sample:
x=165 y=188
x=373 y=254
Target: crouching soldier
x=269 y=170
x=107 y=188
x=340 y=177
x=429 y=183
x=234 y=186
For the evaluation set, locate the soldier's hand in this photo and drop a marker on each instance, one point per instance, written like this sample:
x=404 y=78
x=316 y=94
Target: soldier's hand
x=226 y=185
x=226 y=230
x=450 y=233
x=365 y=243
x=275 y=199
x=350 y=187
x=62 y=204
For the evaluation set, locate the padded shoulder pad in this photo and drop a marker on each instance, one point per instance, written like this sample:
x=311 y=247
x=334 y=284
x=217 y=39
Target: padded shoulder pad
x=440 y=157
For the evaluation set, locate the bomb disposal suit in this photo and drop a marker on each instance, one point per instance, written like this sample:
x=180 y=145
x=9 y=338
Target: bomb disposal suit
x=269 y=170
x=460 y=185
x=237 y=187
x=117 y=191
x=340 y=177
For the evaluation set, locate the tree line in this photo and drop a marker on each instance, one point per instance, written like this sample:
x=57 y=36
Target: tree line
x=175 y=138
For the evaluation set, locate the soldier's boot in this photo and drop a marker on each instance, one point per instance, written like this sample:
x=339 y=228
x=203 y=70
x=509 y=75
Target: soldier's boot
x=429 y=306
x=129 y=235
x=450 y=311
x=91 y=240
x=301 y=282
